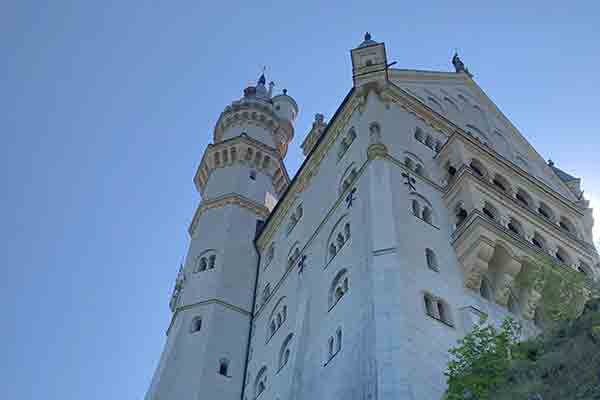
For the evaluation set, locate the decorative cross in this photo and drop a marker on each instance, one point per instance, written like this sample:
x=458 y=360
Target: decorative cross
x=301 y=264
x=410 y=181
x=350 y=198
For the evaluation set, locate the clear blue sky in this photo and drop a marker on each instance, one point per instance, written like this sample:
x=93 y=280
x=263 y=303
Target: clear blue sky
x=107 y=107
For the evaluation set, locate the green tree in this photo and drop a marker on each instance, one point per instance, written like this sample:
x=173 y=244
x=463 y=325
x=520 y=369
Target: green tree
x=481 y=360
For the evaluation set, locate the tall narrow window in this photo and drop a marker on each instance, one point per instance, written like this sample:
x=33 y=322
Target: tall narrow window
x=429 y=306
x=416 y=208
x=196 y=325
x=339 y=339
x=223 y=367
x=253 y=175
x=431 y=260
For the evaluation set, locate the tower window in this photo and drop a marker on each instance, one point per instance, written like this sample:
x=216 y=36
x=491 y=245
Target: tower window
x=223 y=367
x=196 y=325
x=253 y=175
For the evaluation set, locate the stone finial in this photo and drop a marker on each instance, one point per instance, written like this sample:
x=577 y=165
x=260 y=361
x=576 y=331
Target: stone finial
x=319 y=118
x=367 y=36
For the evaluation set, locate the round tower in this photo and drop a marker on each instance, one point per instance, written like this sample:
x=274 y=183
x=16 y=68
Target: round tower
x=240 y=177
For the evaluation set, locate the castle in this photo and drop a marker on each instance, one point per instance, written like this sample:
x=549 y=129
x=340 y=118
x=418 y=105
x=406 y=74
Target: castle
x=418 y=209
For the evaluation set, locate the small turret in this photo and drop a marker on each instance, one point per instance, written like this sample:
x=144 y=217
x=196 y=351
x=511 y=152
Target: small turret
x=285 y=107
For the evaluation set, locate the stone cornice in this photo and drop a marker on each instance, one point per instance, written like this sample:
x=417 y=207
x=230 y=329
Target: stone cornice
x=482 y=96
x=204 y=303
x=484 y=99
x=524 y=249
x=255 y=112
x=464 y=174
x=228 y=199
x=498 y=159
x=237 y=149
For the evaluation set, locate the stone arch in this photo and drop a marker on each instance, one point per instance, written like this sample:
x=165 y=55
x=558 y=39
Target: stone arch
x=343 y=227
x=478 y=168
x=339 y=286
x=260 y=382
x=348 y=177
x=284 y=352
x=293 y=254
x=421 y=207
x=502 y=183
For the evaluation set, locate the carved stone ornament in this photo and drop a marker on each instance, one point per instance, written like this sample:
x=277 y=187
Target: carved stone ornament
x=505 y=284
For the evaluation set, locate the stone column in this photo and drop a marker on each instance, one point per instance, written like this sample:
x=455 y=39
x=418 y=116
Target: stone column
x=506 y=280
x=477 y=264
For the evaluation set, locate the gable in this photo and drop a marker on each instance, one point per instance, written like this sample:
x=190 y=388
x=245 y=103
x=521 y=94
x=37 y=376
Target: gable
x=461 y=101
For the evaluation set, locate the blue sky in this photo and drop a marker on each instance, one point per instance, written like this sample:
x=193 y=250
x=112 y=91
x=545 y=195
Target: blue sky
x=107 y=107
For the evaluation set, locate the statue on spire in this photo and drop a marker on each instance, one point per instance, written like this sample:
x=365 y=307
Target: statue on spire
x=459 y=66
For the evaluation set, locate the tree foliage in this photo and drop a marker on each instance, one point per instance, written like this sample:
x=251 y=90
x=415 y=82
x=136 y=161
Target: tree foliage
x=481 y=360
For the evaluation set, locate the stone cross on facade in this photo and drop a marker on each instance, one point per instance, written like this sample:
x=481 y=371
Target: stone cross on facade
x=350 y=198
x=301 y=264
x=410 y=181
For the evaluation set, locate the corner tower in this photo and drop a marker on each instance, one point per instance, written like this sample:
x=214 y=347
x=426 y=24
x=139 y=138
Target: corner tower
x=240 y=177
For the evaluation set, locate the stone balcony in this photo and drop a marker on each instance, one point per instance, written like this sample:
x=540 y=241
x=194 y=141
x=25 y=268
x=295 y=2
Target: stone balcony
x=500 y=243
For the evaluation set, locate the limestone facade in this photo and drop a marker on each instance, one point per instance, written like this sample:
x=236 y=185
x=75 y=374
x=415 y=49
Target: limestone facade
x=418 y=209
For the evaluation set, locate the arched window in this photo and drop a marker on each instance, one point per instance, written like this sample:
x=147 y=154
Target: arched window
x=515 y=227
x=332 y=250
x=196 y=325
x=538 y=241
x=346 y=142
x=427 y=215
x=338 y=336
x=431 y=260
x=421 y=208
x=501 y=183
x=205 y=261
x=414 y=163
x=330 y=346
x=566 y=225
x=339 y=236
x=478 y=168
x=562 y=256
x=485 y=290
x=545 y=211
x=490 y=211
x=260 y=383
x=419 y=169
x=348 y=178
x=266 y=292
x=441 y=309
x=416 y=208
x=419 y=134
x=429 y=305
x=339 y=287
x=223 y=367
x=202 y=264
x=284 y=353
x=429 y=142
x=460 y=214
x=524 y=198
